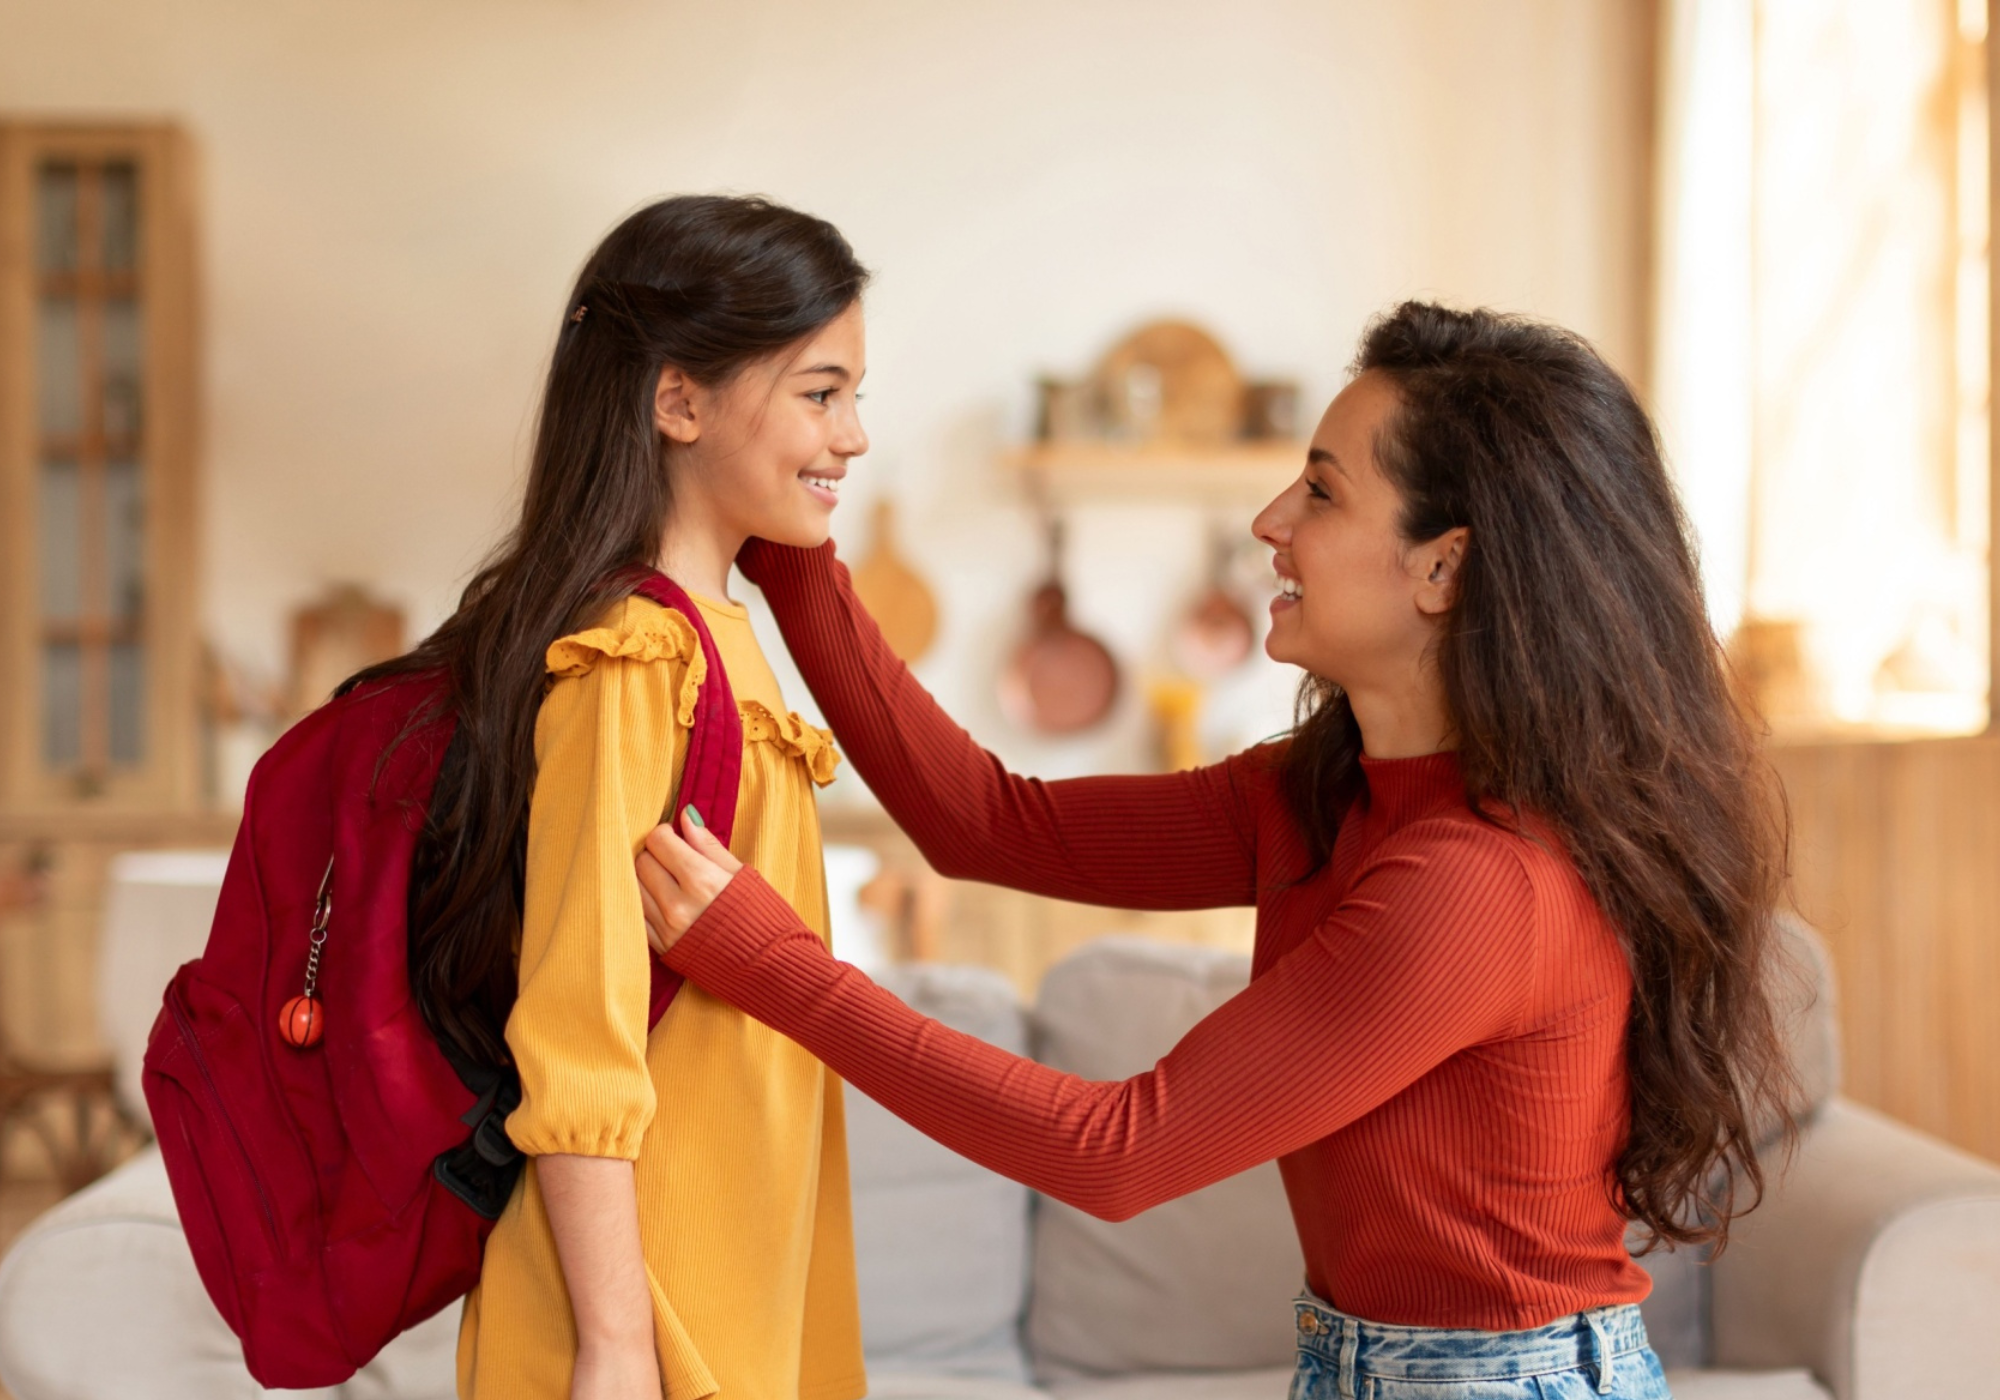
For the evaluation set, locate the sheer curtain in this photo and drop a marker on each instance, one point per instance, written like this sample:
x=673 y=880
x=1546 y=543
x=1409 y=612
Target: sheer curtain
x=1820 y=359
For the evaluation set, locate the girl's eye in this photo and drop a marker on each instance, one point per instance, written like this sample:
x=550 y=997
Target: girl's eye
x=1316 y=491
x=820 y=396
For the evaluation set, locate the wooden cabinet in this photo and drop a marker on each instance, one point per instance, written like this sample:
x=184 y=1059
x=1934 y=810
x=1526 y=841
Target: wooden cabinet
x=98 y=380
x=100 y=736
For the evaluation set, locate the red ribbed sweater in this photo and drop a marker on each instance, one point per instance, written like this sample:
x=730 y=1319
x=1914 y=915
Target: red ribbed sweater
x=1431 y=1044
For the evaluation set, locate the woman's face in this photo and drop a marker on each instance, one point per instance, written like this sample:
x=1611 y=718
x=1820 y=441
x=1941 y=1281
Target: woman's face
x=1357 y=605
x=765 y=454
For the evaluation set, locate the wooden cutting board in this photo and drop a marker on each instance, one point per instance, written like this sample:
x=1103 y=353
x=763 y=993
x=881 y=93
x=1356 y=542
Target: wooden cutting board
x=894 y=593
x=1200 y=392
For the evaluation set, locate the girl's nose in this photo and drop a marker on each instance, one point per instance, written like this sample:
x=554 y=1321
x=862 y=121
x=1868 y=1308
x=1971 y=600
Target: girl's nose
x=851 y=440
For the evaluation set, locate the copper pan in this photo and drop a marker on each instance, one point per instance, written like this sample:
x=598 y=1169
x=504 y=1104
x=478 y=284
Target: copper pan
x=1215 y=635
x=1059 y=680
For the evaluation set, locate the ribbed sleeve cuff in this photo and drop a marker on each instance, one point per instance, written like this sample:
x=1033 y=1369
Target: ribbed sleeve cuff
x=720 y=948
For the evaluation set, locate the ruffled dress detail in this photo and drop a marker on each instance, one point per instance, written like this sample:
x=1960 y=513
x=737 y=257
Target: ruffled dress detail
x=667 y=636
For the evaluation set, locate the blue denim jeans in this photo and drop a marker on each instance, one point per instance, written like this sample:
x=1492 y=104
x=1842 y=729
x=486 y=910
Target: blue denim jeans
x=1593 y=1354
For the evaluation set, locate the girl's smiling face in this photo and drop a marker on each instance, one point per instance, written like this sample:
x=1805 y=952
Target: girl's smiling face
x=765 y=454
x=1357 y=604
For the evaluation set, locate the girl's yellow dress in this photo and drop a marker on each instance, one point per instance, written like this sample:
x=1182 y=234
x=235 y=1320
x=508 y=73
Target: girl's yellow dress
x=736 y=1134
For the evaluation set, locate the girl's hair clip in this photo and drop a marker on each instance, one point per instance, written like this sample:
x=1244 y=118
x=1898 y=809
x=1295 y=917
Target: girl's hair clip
x=576 y=316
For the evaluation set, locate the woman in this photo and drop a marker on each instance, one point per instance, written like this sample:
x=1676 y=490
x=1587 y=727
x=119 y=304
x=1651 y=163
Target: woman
x=1514 y=871
x=686 y=1184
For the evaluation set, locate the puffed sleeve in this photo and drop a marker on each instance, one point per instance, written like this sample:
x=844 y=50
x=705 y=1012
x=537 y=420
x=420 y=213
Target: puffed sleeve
x=608 y=745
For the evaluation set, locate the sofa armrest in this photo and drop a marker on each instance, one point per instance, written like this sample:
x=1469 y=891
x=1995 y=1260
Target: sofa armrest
x=1874 y=1261
x=99 y=1300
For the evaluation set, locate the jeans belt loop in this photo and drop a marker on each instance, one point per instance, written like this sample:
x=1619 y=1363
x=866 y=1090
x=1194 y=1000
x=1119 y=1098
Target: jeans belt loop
x=1350 y=1344
x=1600 y=1347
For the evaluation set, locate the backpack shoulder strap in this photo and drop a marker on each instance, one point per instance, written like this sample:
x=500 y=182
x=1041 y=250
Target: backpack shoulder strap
x=714 y=764
x=715 y=746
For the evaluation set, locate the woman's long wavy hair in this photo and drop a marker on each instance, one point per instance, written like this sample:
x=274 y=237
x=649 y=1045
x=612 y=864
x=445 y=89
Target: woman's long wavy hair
x=708 y=284
x=1588 y=691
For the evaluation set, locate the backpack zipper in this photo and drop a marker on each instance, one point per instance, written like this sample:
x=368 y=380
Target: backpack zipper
x=193 y=1045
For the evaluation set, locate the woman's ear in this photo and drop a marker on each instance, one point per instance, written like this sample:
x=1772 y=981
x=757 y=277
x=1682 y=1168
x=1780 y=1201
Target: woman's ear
x=1437 y=563
x=674 y=407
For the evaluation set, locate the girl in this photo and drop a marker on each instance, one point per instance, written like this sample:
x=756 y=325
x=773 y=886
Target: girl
x=1514 y=870
x=683 y=1218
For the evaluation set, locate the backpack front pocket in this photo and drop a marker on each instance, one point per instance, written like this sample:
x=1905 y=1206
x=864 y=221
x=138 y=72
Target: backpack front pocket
x=214 y=1109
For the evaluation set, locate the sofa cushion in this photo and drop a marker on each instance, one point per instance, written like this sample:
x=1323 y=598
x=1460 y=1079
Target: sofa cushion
x=1202 y=1283
x=922 y=1385
x=1807 y=1013
x=941 y=1245
x=1676 y=1311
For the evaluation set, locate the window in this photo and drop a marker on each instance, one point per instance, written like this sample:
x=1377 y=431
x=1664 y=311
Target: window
x=1821 y=371
x=96 y=467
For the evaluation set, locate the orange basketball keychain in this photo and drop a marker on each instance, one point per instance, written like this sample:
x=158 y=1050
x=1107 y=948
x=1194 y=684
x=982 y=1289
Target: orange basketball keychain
x=303 y=1020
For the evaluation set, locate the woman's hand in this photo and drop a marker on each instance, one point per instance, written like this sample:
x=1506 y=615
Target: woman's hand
x=679 y=877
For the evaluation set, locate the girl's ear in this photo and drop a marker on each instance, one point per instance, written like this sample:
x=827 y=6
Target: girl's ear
x=674 y=410
x=1437 y=563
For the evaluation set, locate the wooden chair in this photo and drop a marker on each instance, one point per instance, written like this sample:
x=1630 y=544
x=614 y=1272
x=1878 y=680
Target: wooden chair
x=74 y=1111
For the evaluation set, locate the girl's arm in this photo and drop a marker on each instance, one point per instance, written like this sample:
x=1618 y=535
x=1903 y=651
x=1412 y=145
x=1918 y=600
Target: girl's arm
x=1432 y=952
x=594 y=1215
x=605 y=751
x=1179 y=841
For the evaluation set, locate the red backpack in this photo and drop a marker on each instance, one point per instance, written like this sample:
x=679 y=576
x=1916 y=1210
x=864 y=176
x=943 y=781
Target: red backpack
x=338 y=1192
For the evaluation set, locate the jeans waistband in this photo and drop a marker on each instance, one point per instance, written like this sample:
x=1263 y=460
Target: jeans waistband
x=1593 y=1339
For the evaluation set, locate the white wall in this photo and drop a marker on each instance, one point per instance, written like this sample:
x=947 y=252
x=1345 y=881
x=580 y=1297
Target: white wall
x=395 y=196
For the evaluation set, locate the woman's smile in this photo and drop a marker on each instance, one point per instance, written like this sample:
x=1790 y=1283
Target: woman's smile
x=1290 y=589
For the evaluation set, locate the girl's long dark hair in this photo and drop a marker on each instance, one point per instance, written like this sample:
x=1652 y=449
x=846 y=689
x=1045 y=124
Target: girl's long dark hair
x=707 y=284
x=1588 y=690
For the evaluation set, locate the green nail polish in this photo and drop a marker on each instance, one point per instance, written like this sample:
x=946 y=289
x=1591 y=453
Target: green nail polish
x=694 y=817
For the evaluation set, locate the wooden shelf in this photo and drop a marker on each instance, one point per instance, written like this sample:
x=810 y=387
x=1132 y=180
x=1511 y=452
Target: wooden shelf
x=119 y=826
x=1072 y=473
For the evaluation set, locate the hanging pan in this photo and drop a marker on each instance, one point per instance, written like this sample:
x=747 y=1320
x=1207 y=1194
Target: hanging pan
x=1059 y=680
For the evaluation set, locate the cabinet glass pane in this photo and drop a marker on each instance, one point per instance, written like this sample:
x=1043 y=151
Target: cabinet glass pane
x=61 y=542
x=119 y=202
x=124 y=540
x=128 y=704
x=55 y=218
x=123 y=335
x=59 y=367
x=62 y=704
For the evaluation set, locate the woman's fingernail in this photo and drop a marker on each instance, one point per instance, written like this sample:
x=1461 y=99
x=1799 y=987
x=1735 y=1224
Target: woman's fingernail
x=694 y=816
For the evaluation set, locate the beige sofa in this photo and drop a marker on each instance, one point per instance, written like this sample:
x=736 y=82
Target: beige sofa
x=1873 y=1271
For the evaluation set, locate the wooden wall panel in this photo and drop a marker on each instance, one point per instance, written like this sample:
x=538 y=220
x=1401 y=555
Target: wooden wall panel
x=1896 y=859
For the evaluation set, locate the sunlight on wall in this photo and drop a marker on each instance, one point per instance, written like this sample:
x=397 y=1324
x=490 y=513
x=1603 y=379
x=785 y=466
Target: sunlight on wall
x=1822 y=361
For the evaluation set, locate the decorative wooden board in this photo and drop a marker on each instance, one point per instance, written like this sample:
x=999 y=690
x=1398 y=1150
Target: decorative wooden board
x=1195 y=394
x=894 y=593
